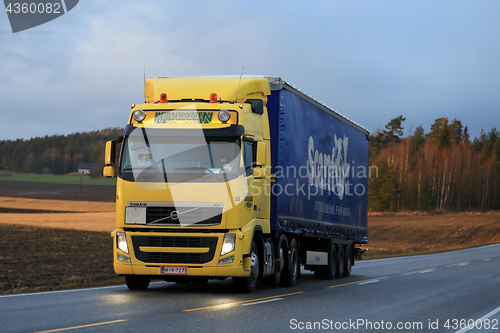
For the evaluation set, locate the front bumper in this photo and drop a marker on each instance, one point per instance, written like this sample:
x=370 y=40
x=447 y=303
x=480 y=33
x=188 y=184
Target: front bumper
x=198 y=252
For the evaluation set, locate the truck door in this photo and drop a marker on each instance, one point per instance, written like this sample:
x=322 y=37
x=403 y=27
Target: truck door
x=258 y=188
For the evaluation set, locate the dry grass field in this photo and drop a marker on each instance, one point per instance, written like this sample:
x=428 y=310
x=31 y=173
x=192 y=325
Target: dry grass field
x=400 y=234
x=53 y=244
x=77 y=215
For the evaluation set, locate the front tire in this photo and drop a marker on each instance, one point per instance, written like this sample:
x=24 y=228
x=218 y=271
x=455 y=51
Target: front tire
x=248 y=284
x=137 y=282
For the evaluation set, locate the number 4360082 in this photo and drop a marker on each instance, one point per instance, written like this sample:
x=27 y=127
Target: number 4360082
x=33 y=8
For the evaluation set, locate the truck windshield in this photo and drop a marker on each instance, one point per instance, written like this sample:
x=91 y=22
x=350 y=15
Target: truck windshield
x=181 y=159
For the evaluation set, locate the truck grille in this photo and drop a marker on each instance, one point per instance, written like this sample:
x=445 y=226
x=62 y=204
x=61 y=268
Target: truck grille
x=183 y=215
x=175 y=258
x=174 y=241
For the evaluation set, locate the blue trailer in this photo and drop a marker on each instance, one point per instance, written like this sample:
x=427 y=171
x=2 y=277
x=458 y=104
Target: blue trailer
x=320 y=195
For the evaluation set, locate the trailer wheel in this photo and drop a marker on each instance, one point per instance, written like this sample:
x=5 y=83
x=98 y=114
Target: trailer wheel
x=328 y=272
x=292 y=265
x=137 y=282
x=340 y=262
x=248 y=284
x=347 y=260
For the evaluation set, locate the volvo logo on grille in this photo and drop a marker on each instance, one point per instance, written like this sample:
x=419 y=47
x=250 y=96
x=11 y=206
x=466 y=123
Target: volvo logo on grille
x=174 y=215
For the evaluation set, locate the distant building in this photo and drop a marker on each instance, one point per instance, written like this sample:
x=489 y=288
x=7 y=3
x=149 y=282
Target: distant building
x=84 y=167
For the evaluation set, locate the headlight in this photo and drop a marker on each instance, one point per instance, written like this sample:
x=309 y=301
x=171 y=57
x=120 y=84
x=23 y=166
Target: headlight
x=224 y=115
x=139 y=115
x=121 y=241
x=228 y=244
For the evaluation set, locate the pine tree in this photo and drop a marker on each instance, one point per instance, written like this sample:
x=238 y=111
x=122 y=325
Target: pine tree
x=383 y=191
x=418 y=137
x=394 y=130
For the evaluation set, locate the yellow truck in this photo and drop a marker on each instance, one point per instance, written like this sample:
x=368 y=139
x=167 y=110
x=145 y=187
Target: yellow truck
x=241 y=177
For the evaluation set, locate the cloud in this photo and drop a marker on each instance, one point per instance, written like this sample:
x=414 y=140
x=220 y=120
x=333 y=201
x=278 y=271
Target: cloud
x=370 y=61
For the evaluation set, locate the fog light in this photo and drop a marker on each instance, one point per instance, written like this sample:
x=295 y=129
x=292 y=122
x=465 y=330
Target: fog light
x=224 y=115
x=121 y=241
x=139 y=115
x=123 y=258
x=228 y=244
x=225 y=261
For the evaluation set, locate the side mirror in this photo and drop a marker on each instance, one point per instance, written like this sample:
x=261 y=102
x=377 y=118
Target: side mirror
x=108 y=171
x=261 y=154
x=109 y=156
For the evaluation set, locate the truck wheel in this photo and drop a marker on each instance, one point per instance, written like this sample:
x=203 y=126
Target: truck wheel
x=279 y=252
x=340 y=262
x=248 y=284
x=328 y=272
x=292 y=265
x=347 y=260
x=137 y=282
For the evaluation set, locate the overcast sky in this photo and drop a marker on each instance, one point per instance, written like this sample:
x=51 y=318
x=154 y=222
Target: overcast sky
x=369 y=60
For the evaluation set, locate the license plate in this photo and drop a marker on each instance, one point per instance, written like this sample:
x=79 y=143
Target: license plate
x=173 y=270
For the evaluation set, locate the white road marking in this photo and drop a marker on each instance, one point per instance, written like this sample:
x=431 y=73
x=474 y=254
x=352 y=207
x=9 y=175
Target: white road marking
x=50 y=292
x=264 y=301
x=427 y=271
x=428 y=255
x=367 y=282
x=487 y=259
x=480 y=320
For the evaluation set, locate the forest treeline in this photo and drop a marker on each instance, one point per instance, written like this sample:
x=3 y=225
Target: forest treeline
x=56 y=154
x=442 y=170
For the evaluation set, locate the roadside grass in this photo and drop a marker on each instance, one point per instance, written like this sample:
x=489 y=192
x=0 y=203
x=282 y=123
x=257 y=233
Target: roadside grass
x=73 y=178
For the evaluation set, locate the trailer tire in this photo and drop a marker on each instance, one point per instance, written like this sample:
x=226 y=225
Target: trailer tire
x=328 y=272
x=292 y=265
x=340 y=262
x=137 y=282
x=347 y=261
x=249 y=283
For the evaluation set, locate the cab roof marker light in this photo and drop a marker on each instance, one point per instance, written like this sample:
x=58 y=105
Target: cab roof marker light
x=213 y=98
x=139 y=115
x=163 y=98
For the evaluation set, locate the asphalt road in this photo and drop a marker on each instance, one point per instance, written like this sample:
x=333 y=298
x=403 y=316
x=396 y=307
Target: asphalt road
x=432 y=293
